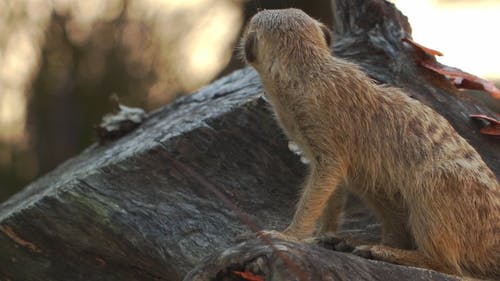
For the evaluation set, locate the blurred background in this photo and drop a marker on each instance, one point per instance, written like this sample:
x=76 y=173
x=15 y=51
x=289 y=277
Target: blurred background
x=60 y=60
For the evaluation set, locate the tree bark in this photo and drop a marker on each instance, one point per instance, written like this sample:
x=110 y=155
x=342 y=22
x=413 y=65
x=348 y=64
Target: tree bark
x=300 y=262
x=126 y=211
x=208 y=167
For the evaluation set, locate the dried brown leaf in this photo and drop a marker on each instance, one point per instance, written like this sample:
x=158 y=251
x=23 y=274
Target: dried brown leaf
x=493 y=127
x=428 y=51
x=459 y=78
x=247 y=275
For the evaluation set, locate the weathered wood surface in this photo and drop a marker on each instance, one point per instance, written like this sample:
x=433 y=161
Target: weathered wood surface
x=316 y=264
x=126 y=211
x=122 y=211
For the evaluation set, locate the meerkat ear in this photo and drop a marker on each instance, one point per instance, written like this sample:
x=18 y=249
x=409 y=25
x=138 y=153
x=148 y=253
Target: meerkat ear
x=327 y=34
x=250 y=42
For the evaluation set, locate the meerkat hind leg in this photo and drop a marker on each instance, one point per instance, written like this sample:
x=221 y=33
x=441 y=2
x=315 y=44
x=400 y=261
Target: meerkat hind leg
x=394 y=222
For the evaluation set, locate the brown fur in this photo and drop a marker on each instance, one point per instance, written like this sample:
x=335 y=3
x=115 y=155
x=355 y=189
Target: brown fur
x=438 y=202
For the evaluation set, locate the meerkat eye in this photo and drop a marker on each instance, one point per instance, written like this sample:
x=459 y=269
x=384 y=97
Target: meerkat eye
x=327 y=34
x=250 y=43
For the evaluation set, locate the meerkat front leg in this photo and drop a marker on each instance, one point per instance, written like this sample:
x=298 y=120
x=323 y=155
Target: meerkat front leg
x=320 y=185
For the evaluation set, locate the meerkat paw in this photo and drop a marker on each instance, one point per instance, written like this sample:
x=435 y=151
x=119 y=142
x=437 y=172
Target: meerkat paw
x=364 y=251
x=380 y=252
x=273 y=234
x=267 y=234
x=334 y=242
x=402 y=257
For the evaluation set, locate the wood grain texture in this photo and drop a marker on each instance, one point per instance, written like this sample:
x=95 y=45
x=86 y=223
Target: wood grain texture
x=122 y=211
x=316 y=263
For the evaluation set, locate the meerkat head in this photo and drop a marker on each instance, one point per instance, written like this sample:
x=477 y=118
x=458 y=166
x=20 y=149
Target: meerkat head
x=282 y=34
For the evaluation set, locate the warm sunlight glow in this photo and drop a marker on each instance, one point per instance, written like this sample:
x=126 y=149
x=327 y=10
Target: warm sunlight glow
x=20 y=40
x=204 y=53
x=465 y=31
x=195 y=37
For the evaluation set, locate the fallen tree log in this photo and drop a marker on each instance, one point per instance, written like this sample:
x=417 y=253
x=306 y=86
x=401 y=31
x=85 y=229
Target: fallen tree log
x=303 y=262
x=141 y=207
x=123 y=211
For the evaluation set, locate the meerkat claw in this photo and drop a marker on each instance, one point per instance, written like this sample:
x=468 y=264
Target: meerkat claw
x=363 y=251
x=333 y=242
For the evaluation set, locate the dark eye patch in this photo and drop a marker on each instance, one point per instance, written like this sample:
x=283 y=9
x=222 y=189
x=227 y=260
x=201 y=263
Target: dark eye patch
x=250 y=42
x=327 y=34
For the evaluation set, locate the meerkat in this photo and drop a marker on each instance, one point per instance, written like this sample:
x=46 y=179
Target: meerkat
x=437 y=201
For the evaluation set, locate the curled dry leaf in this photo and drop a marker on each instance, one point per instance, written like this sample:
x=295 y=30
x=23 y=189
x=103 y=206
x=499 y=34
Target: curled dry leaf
x=247 y=275
x=493 y=127
x=459 y=78
x=463 y=80
x=417 y=46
